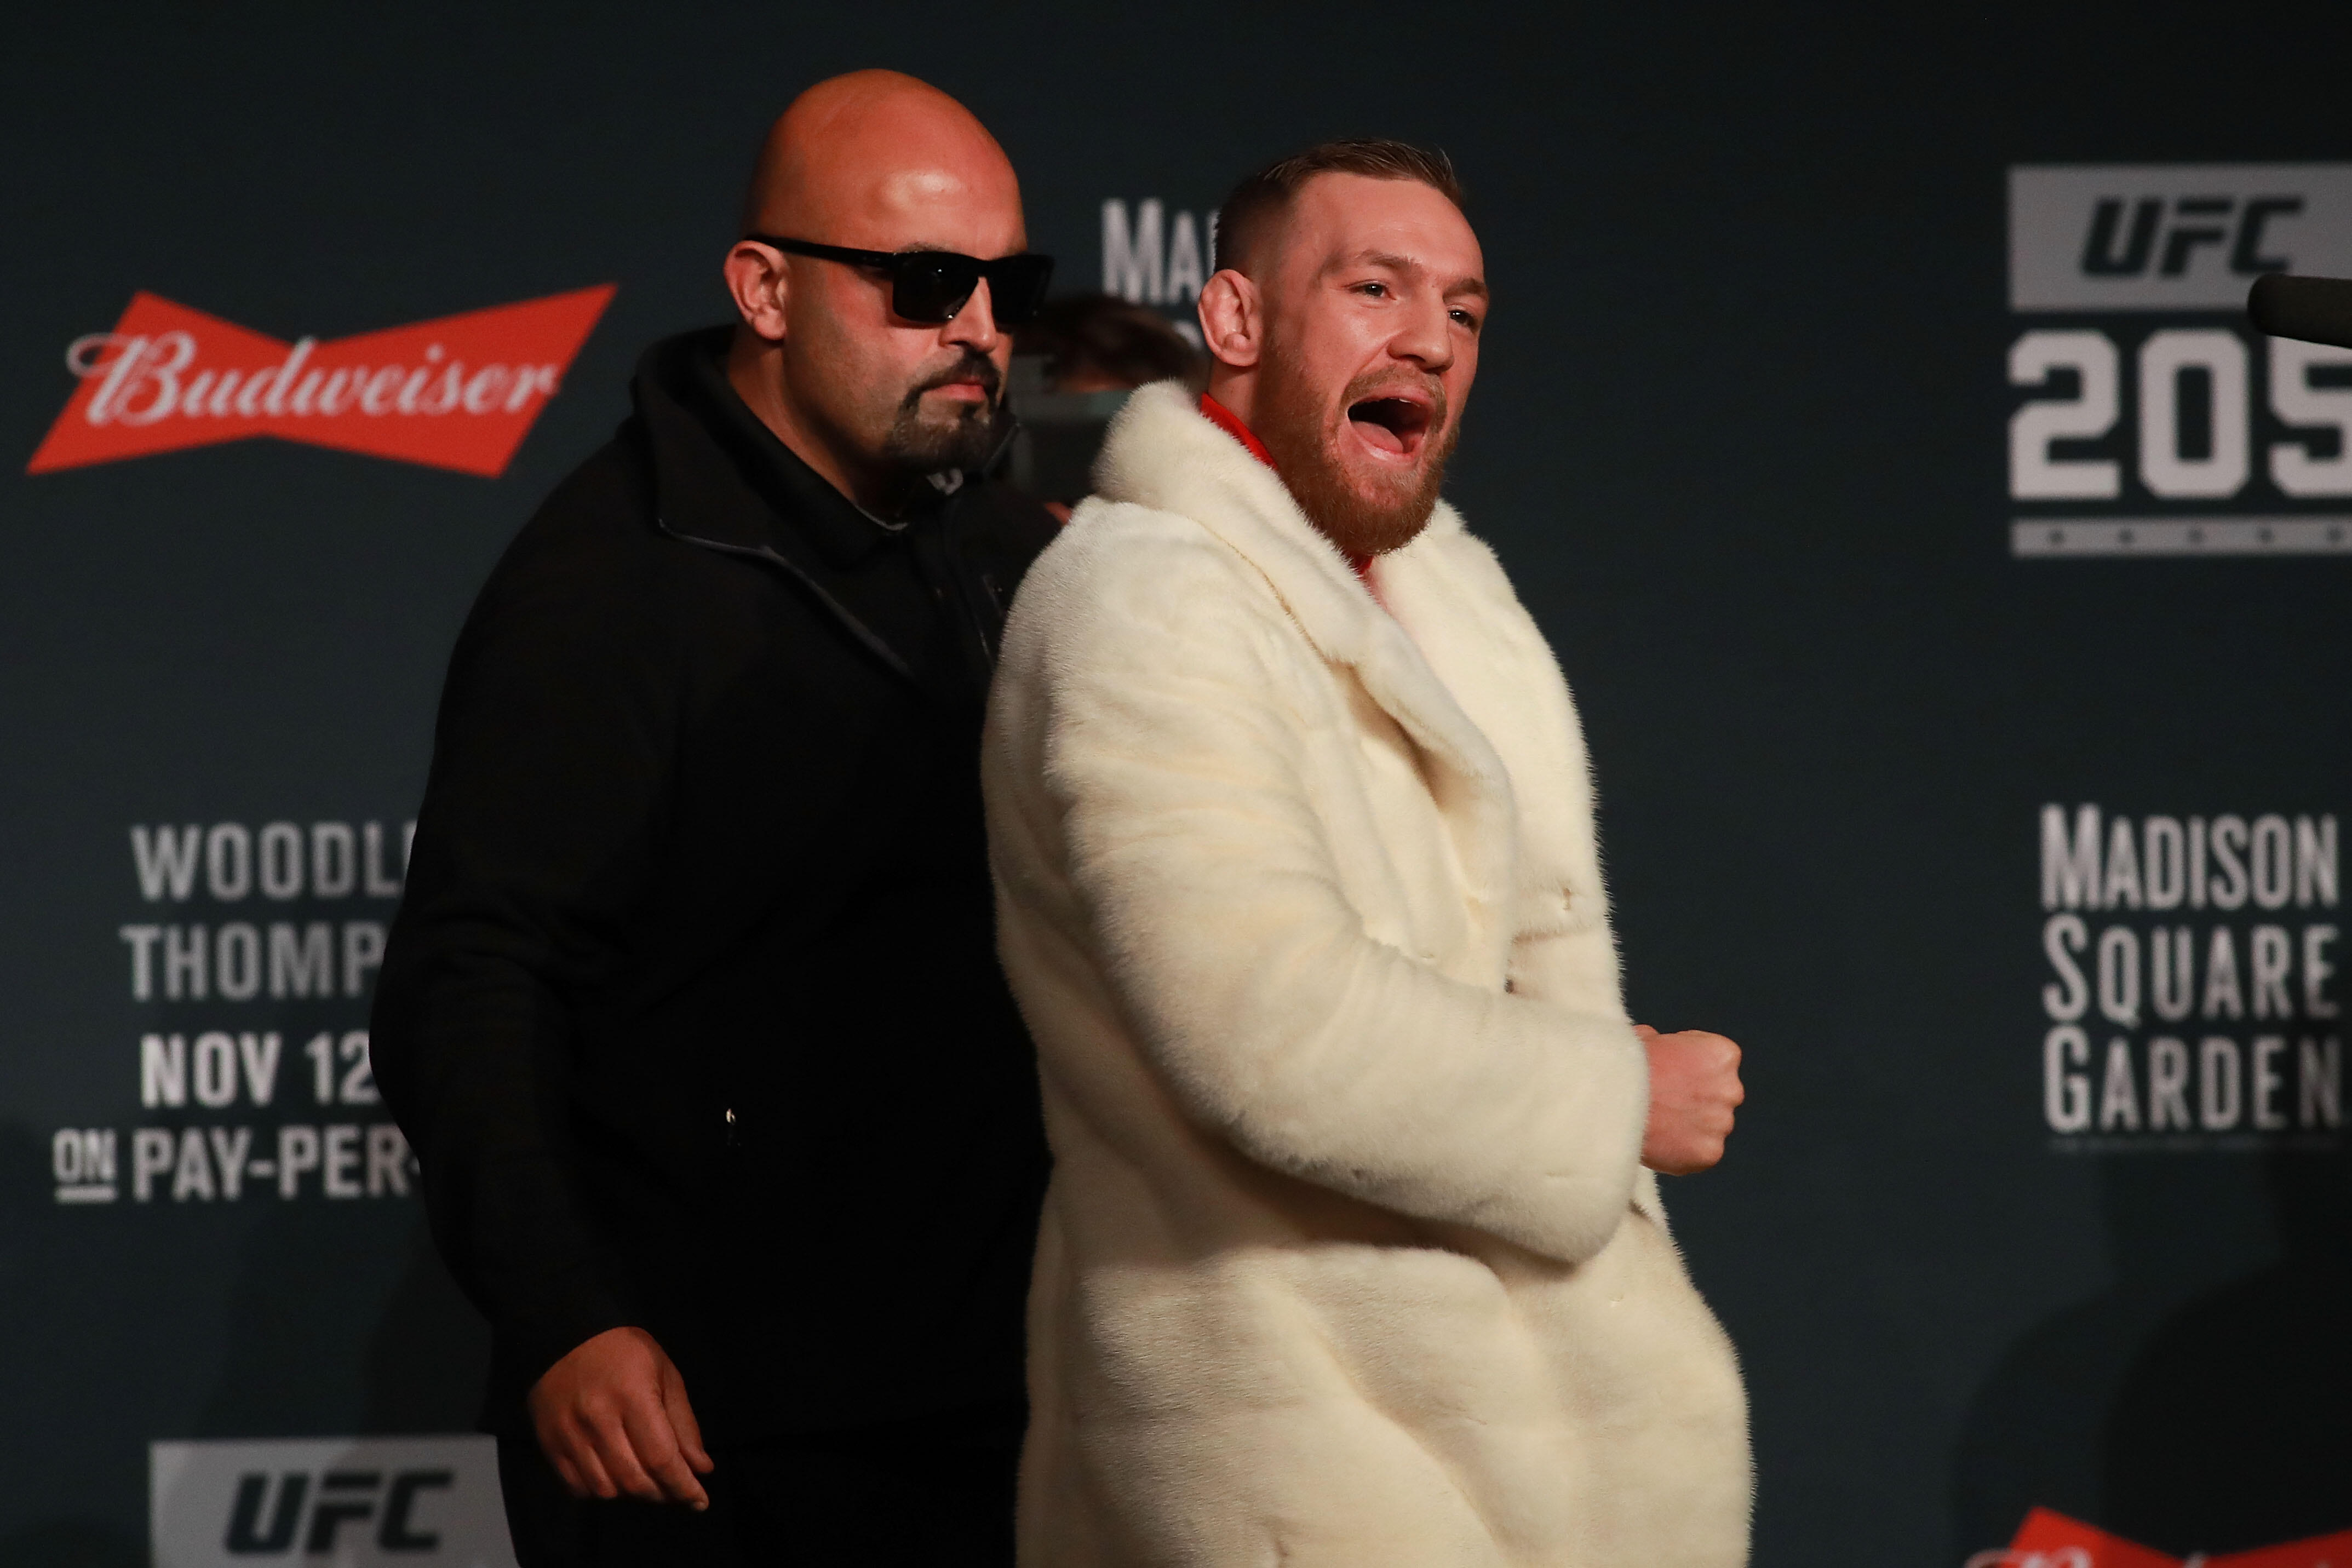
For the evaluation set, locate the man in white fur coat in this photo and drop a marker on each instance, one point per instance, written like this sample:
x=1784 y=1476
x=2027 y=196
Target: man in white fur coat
x=1350 y=1258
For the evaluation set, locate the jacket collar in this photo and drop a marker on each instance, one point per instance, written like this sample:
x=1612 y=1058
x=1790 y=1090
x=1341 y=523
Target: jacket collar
x=722 y=481
x=722 y=476
x=1163 y=454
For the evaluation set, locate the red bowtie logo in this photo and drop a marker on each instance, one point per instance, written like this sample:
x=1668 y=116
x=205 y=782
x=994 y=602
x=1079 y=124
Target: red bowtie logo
x=2048 y=1540
x=459 y=393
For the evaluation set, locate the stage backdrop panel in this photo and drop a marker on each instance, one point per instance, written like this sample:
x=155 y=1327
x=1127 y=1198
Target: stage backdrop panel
x=1954 y=586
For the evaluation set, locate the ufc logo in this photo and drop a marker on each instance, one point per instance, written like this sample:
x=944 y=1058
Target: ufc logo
x=2170 y=237
x=2126 y=240
x=262 y=1526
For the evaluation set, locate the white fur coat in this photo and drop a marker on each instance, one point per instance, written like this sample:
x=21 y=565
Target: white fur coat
x=1347 y=1261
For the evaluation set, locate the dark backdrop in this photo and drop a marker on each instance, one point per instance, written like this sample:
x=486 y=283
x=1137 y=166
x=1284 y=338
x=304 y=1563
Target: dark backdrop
x=1740 y=436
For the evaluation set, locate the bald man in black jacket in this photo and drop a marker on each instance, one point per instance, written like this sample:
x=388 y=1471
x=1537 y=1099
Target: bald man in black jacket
x=691 y=1011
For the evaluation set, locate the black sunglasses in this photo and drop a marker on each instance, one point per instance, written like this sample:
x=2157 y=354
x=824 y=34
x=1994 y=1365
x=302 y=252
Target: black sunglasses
x=931 y=286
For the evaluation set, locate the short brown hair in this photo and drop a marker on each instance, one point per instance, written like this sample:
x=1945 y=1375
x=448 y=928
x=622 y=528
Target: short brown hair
x=1257 y=202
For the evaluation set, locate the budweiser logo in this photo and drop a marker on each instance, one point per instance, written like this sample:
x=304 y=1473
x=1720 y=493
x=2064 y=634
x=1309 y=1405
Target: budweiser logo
x=457 y=393
x=2050 y=1540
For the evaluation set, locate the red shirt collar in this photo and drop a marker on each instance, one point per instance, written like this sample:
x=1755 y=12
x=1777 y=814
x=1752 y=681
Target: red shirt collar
x=1229 y=421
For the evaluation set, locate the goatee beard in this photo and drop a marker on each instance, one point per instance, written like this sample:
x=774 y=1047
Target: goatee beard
x=1361 y=525
x=916 y=447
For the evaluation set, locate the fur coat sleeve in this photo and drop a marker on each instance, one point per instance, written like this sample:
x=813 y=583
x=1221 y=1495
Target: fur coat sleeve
x=1164 y=687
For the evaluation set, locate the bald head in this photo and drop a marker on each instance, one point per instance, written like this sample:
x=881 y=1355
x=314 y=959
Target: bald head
x=860 y=160
x=871 y=400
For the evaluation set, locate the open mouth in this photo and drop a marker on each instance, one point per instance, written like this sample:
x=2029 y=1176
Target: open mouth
x=1394 y=424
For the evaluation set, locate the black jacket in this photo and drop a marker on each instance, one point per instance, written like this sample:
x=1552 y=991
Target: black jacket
x=691 y=1011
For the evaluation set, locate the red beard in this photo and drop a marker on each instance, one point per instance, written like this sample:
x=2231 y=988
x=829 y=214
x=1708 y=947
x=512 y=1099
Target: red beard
x=1363 y=520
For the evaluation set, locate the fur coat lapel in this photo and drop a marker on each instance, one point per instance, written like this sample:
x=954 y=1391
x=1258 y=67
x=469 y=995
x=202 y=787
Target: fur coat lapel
x=1163 y=453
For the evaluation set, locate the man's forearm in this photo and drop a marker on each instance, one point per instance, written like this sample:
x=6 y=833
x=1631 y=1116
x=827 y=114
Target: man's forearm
x=474 y=1066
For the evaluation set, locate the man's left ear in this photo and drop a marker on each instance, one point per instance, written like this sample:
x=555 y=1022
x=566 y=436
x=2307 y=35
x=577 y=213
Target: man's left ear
x=1232 y=319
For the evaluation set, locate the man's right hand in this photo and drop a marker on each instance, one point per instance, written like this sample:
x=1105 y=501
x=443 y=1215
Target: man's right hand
x=1693 y=1089
x=614 y=1419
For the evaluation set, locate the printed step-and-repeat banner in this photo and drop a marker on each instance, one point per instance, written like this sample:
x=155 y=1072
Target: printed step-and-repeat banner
x=1955 y=584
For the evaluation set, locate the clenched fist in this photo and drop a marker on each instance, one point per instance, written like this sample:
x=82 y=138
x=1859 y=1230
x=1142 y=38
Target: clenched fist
x=1693 y=1089
x=614 y=1419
